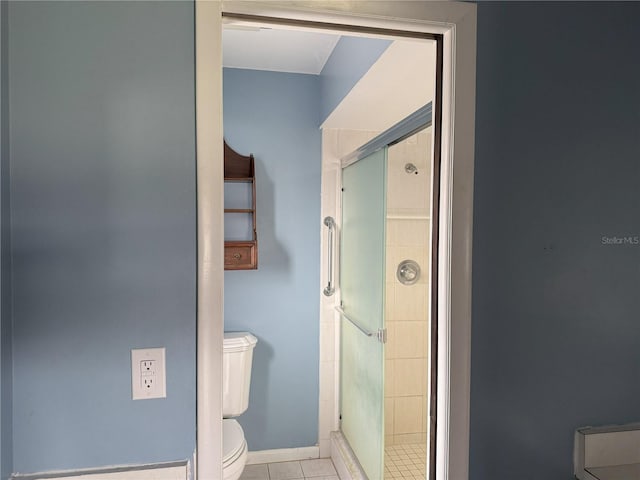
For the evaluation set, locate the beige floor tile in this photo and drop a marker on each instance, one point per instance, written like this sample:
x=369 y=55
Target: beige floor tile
x=285 y=471
x=255 y=472
x=318 y=468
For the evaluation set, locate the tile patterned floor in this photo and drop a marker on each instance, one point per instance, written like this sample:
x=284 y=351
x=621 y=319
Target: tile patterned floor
x=318 y=469
x=406 y=462
x=401 y=462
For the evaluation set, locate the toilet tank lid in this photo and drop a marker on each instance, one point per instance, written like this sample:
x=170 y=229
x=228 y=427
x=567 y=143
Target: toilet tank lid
x=238 y=341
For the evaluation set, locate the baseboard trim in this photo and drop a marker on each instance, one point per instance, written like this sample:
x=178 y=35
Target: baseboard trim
x=283 y=455
x=156 y=471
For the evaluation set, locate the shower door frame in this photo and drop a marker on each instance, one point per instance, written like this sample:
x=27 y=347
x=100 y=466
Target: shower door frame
x=423 y=118
x=456 y=22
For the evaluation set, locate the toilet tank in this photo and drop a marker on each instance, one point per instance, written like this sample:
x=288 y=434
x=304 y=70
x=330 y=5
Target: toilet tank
x=236 y=372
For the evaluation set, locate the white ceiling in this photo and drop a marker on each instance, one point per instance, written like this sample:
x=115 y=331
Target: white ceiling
x=276 y=50
x=398 y=84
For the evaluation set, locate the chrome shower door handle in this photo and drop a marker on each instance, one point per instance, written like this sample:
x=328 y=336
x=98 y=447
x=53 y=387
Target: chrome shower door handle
x=380 y=334
x=331 y=224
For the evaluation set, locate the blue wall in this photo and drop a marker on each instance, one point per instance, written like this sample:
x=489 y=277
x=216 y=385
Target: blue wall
x=556 y=330
x=351 y=58
x=275 y=116
x=6 y=360
x=104 y=234
x=103 y=229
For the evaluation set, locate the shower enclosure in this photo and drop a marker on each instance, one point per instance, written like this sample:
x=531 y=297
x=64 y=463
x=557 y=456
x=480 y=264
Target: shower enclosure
x=384 y=278
x=362 y=309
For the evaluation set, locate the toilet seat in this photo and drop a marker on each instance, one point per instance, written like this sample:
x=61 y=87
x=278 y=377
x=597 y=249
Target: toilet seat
x=234 y=449
x=233 y=442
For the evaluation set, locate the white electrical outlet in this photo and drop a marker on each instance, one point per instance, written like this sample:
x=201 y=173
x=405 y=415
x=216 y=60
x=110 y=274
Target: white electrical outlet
x=148 y=376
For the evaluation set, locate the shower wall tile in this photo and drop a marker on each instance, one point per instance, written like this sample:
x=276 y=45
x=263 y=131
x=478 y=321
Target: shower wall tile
x=408 y=193
x=424 y=331
x=425 y=414
x=409 y=233
x=390 y=302
x=327 y=380
x=425 y=378
x=410 y=302
x=404 y=252
x=410 y=340
x=408 y=438
x=327 y=407
x=427 y=309
x=391 y=347
x=409 y=377
x=407 y=415
x=407 y=307
x=389 y=412
x=327 y=341
x=392 y=233
x=327 y=417
x=391 y=263
x=389 y=374
x=425 y=267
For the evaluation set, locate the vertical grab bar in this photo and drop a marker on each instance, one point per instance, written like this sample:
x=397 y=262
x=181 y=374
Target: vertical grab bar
x=331 y=224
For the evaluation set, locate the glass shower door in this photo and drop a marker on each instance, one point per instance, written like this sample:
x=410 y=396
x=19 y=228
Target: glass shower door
x=362 y=271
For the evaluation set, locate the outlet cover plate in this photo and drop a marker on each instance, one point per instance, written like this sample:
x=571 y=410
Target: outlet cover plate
x=148 y=382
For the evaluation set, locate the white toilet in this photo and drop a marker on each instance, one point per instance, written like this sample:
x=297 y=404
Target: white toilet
x=236 y=379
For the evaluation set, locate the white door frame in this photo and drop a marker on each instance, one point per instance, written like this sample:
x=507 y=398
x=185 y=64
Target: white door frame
x=457 y=23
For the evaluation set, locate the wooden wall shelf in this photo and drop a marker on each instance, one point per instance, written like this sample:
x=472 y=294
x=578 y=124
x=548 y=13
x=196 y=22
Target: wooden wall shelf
x=241 y=254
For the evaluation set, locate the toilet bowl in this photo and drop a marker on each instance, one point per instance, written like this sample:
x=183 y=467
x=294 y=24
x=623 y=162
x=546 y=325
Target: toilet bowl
x=236 y=378
x=234 y=450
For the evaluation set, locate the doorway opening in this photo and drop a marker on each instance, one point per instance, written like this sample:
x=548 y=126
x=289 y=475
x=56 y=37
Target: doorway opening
x=456 y=22
x=366 y=83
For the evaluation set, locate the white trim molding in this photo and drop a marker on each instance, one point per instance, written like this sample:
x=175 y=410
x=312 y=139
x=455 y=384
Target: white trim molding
x=282 y=455
x=158 y=471
x=456 y=22
x=455 y=248
x=210 y=237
